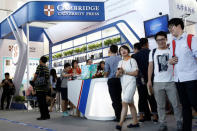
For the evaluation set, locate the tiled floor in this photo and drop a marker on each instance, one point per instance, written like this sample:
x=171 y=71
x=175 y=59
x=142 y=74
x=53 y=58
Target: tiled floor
x=26 y=121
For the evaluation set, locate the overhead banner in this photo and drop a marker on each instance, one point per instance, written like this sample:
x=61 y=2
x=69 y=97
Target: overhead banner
x=66 y=11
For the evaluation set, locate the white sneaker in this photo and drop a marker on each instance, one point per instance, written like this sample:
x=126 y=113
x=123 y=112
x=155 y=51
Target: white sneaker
x=65 y=114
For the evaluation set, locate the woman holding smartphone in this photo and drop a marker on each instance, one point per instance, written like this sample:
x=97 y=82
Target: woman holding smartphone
x=127 y=70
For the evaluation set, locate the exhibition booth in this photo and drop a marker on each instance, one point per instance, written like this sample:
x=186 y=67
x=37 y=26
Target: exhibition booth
x=81 y=31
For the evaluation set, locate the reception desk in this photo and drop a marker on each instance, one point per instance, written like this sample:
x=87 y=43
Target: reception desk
x=92 y=98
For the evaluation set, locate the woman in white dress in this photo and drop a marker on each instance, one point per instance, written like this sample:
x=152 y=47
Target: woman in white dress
x=127 y=70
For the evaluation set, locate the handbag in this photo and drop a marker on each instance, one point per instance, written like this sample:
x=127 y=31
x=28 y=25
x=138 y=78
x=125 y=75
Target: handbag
x=12 y=90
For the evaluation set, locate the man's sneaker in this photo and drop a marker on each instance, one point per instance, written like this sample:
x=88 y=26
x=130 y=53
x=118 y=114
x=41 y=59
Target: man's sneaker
x=65 y=114
x=163 y=128
x=179 y=126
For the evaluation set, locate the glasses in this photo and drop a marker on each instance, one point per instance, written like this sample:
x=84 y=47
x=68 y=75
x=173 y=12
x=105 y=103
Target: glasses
x=171 y=27
x=161 y=40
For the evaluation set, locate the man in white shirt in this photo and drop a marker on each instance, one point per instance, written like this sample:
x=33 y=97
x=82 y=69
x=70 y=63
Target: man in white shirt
x=163 y=82
x=184 y=59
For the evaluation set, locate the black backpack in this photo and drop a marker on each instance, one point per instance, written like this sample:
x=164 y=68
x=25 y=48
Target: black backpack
x=58 y=84
x=153 y=53
x=41 y=80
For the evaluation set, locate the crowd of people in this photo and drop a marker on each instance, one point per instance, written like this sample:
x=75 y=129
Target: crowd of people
x=166 y=72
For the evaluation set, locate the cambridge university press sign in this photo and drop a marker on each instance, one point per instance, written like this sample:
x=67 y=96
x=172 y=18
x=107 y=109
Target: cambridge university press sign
x=66 y=11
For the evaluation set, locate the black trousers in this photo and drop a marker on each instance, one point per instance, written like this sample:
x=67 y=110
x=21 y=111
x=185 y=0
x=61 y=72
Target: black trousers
x=144 y=99
x=42 y=104
x=5 y=94
x=188 y=96
x=115 y=90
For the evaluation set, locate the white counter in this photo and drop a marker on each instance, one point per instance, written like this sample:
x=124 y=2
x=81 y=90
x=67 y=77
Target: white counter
x=92 y=98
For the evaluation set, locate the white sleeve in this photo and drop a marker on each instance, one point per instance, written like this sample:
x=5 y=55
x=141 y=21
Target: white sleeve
x=134 y=64
x=194 y=46
x=150 y=56
x=120 y=64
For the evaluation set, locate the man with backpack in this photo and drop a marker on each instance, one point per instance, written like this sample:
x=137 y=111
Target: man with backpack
x=41 y=81
x=145 y=100
x=184 y=60
x=163 y=82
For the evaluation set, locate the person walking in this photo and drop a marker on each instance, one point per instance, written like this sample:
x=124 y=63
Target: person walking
x=183 y=57
x=127 y=70
x=163 y=82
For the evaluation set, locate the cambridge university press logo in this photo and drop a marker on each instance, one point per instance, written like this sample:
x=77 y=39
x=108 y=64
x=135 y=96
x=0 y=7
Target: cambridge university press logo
x=49 y=10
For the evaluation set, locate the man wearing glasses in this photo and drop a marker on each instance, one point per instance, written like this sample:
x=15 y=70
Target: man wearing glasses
x=184 y=60
x=163 y=82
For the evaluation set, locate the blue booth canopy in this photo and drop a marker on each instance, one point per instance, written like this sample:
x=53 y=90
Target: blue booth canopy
x=43 y=11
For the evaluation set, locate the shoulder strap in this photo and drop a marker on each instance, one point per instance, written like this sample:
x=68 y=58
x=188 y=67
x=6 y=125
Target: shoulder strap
x=173 y=47
x=153 y=53
x=173 y=53
x=189 y=40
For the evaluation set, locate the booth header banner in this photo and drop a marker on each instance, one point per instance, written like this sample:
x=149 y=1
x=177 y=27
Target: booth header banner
x=66 y=11
x=54 y=11
x=187 y=9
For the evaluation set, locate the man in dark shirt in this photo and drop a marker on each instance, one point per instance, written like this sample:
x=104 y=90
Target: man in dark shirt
x=7 y=84
x=142 y=58
x=41 y=80
x=114 y=84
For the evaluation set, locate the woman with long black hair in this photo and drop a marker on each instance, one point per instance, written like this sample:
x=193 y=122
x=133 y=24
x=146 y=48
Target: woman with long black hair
x=53 y=80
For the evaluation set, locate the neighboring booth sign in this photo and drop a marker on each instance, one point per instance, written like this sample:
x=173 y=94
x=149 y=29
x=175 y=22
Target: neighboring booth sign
x=183 y=8
x=15 y=54
x=155 y=25
x=66 y=11
x=32 y=49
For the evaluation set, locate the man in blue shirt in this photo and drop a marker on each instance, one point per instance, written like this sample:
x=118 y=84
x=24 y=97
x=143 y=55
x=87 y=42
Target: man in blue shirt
x=184 y=60
x=114 y=84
